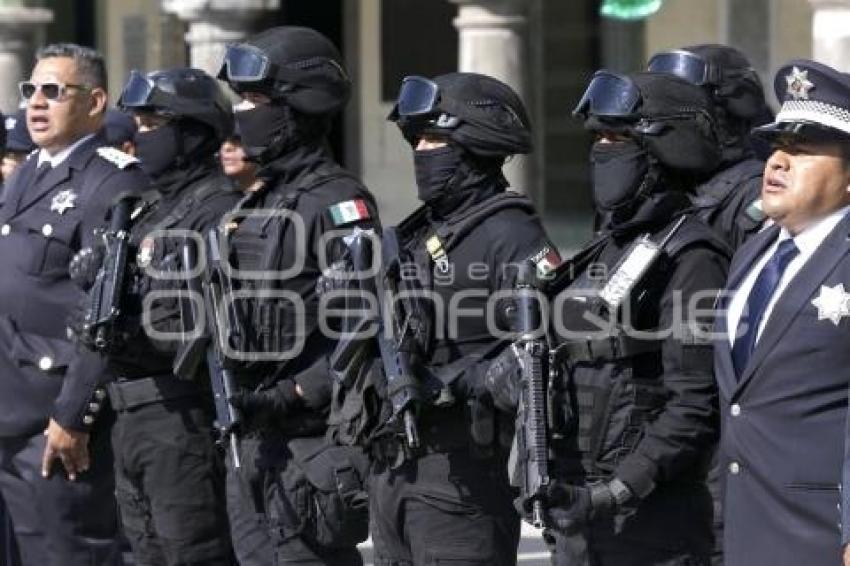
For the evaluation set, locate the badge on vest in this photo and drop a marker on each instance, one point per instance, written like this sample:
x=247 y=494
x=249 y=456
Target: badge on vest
x=642 y=254
x=832 y=303
x=63 y=200
x=349 y=211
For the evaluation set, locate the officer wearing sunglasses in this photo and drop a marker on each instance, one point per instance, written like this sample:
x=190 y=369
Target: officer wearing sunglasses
x=55 y=468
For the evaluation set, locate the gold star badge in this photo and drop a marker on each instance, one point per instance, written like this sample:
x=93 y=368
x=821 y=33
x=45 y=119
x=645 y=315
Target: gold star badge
x=833 y=303
x=799 y=84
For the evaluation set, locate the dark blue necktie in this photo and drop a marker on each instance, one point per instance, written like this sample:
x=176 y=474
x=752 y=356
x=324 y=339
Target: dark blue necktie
x=757 y=302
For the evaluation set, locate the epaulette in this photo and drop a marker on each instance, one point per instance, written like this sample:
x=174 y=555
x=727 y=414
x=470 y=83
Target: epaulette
x=116 y=157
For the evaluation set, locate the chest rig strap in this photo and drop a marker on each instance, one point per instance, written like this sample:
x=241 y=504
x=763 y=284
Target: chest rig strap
x=450 y=233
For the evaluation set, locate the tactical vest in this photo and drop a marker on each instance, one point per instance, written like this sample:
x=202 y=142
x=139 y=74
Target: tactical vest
x=359 y=411
x=611 y=386
x=715 y=195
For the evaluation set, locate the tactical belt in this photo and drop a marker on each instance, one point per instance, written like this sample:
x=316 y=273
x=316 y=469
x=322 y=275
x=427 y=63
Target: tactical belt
x=128 y=394
x=609 y=348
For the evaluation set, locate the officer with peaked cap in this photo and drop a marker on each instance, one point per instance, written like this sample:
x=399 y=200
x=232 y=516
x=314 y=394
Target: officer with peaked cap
x=781 y=358
x=18 y=142
x=728 y=199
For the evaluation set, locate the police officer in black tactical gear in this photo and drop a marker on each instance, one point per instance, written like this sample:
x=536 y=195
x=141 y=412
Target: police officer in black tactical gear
x=439 y=490
x=295 y=499
x=58 y=483
x=170 y=482
x=634 y=416
x=729 y=199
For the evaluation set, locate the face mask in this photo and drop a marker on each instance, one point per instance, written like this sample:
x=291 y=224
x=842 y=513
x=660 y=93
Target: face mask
x=262 y=126
x=435 y=168
x=158 y=149
x=618 y=170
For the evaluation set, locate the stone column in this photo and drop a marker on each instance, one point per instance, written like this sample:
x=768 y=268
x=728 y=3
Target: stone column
x=831 y=33
x=493 y=41
x=212 y=24
x=21 y=31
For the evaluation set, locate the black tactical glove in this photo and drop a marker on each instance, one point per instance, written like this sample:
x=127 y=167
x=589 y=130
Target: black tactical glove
x=570 y=507
x=278 y=401
x=502 y=380
x=84 y=266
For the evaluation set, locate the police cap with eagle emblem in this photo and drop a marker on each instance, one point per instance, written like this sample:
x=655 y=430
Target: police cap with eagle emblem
x=815 y=103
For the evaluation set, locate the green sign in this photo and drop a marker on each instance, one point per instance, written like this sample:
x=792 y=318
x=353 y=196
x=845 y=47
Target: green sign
x=629 y=9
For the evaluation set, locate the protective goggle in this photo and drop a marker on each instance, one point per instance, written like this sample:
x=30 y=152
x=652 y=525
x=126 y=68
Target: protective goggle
x=686 y=65
x=418 y=96
x=244 y=63
x=609 y=95
x=50 y=90
x=137 y=91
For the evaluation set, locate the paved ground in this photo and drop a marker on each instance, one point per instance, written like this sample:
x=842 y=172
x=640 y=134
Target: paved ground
x=532 y=550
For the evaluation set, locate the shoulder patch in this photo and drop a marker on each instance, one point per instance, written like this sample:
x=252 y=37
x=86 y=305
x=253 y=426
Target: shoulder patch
x=546 y=261
x=349 y=211
x=33 y=152
x=117 y=157
x=755 y=212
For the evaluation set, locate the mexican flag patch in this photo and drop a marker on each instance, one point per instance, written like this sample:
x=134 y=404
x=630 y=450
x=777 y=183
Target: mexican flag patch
x=349 y=211
x=546 y=260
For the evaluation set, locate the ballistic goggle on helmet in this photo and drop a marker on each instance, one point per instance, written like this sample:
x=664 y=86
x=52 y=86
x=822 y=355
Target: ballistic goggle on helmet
x=312 y=85
x=722 y=70
x=671 y=116
x=478 y=112
x=179 y=93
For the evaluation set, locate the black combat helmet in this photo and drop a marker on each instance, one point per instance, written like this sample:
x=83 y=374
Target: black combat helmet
x=180 y=93
x=481 y=114
x=723 y=71
x=670 y=116
x=296 y=65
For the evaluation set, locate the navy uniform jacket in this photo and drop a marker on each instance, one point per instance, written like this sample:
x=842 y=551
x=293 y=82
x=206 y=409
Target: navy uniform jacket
x=784 y=423
x=43 y=222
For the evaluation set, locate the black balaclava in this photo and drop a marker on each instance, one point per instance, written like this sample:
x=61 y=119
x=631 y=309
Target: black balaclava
x=270 y=131
x=619 y=171
x=449 y=178
x=435 y=169
x=168 y=151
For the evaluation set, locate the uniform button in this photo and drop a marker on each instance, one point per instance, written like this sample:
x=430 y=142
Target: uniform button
x=88 y=419
x=5 y=229
x=94 y=407
x=735 y=409
x=100 y=394
x=734 y=468
x=45 y=363
x=47 y=230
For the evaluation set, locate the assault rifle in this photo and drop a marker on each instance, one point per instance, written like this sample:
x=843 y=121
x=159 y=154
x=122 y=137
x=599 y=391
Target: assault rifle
x=104 y=297
x=220 y=328
x=528 y=464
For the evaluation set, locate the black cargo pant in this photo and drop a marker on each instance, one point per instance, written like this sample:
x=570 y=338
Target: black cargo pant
x=264 y=500
x=672 y=527
x=443 y=508
x=170 y=484
x=58 y=522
